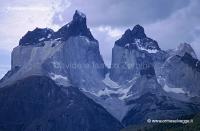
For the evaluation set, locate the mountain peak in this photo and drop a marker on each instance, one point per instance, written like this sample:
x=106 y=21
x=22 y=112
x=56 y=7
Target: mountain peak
x=138 y=32
x=36 y=36
x=185 y=48
x=128 y=33
x=77 y=27
x=79 y=17
x=137 y=39
x=80 y=14
x=184 y=45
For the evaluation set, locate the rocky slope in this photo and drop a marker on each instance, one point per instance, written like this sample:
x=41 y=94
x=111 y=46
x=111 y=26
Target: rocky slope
x=37 y=103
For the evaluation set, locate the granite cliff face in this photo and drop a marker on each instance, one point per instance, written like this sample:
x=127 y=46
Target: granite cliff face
x=158 y=81
x=131 y=53
x=71 y=53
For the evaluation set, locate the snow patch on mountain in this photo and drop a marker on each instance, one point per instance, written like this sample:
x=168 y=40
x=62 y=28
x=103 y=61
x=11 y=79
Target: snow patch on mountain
x=41 y=39
x=122 y=92
x=168 y=89
x=174 y=90
x=125 y=92
x=56 y=76
x=197 y=63
x=140 y=47
x=110 y=83
x=57 y=39
x=138 y=43
x=148 y=50
x=60 y=79
x=49 y=36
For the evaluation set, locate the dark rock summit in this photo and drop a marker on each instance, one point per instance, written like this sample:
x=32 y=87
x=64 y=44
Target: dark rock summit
x=133 y=54
x=36 y=36
x=138 y=32
x=136 y=38
x=77 y=27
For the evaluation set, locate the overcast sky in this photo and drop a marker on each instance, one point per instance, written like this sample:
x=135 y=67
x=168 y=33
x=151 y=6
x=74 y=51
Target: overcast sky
x=169 y=22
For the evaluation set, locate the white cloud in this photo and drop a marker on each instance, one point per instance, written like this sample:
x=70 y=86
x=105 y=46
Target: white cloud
x=106 y=35
x=20 y=17
x=30 y=8
x=112 y=32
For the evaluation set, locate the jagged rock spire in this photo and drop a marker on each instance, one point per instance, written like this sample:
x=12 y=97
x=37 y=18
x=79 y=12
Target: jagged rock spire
x=77 y=27
x=137 y=37
x=138 y=32
x=79 y=16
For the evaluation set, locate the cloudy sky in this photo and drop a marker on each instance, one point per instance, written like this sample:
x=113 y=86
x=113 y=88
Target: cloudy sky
x=170 y=22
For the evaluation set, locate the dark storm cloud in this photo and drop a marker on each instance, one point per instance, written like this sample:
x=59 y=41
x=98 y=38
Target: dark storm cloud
x=120 y=12
x=170 y=22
